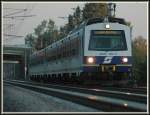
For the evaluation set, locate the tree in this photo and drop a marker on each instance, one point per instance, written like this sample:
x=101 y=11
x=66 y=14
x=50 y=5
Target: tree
x=51 y=25
x=77 y=16
x=71 y=24
x=46 y=33
x=29 y=40
x=63 y=31
x=39 y=30
x=73 y=21
x=92 y=10
x=51 y=33
x=140 y=60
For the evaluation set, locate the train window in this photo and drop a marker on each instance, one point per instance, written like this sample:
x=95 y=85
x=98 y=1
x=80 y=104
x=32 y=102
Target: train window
x=77 y=44
x=56 y=53
x=110 y=40
x=55 y=57
x=69 y=49
x=49 y=55
x=64 y=50
x=64 y=54
x=59 y=56
x=51 y=58
x=47 y=58
x=59 y=52
x=73 y=52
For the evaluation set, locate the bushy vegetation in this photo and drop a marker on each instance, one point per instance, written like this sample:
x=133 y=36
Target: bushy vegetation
x=139 y=46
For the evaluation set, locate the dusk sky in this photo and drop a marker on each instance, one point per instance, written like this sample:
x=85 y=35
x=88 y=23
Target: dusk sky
x=136 y=13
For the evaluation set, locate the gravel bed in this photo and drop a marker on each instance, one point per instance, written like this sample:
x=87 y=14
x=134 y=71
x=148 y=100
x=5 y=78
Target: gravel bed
x=17 y=99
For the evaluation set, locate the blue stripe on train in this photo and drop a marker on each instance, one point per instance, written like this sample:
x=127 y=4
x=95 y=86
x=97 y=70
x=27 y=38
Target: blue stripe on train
x=98 y=69
x=123 y=68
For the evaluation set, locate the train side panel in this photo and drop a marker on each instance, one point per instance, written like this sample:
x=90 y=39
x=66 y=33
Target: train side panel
x=65 y=57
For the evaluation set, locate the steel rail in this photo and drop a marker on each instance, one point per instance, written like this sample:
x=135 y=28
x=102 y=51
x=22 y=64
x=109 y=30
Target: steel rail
x=99 y=92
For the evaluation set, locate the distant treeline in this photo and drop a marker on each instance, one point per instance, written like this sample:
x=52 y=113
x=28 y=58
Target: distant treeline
x=47 y=32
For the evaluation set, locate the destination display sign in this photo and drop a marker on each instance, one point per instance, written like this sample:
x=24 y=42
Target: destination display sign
x=99 y=32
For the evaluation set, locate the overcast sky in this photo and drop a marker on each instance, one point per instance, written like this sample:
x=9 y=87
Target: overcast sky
x=136 y=13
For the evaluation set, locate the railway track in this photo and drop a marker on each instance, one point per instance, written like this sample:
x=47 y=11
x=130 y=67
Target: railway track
x=137 y=90
x=105 y=100
x=124 y=93
x=130 y=90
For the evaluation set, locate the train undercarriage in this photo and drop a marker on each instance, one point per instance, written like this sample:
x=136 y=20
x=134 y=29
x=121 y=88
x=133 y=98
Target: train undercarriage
x=97 y=78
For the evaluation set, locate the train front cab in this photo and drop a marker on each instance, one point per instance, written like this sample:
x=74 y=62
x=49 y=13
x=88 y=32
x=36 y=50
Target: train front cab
x=107 y=51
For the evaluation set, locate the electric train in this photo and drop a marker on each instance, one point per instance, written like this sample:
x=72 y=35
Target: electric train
x=99 y=48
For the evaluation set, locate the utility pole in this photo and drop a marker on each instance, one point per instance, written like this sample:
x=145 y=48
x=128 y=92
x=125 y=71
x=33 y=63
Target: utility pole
x=25 y=61
x=111 y=9
x=14 y=71
x=12 y=17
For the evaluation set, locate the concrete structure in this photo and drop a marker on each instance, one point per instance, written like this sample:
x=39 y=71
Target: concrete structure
x=16 y=61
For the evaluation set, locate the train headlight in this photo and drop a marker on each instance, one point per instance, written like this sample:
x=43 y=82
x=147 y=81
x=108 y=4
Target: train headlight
x=107 y=26
x=90 y=60
x=124 y=59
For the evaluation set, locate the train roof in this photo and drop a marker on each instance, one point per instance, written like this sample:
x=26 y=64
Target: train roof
x=99 y=20
x=110 y=19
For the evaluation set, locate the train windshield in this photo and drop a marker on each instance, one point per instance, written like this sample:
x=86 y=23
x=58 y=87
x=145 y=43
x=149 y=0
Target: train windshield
x=107 y=40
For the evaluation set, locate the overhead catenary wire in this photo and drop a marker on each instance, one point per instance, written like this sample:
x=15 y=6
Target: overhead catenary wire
x=10 y=31
x=5 y=16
